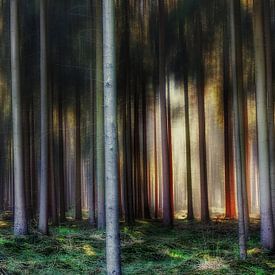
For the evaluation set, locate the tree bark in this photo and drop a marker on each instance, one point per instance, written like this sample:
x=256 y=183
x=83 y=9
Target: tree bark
x=78 y=200
x=167 y=209
x=270 y=98
x=237 y=74
x=190 y=211
x=229 y=174
x=20 y=217
x=43 y=209
x=110 y=127
x=267 y=230
x=99 y=122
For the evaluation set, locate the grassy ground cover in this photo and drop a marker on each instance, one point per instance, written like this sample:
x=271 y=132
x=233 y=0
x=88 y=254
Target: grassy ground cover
x=147 y=248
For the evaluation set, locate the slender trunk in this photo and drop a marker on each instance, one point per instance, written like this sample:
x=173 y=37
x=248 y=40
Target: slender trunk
x=110 y=127
x=62 y=171
x=91 y=183
x=230 y=202
x=20 y=217
x=267 y=230
x=78 y=201
x=99 y=121
x=190 y=211
x=156 y=158
x=202 y=139
x=237 y=74
x=52 y=178
x=43 y=209
x=270 y=106
x=167 y=209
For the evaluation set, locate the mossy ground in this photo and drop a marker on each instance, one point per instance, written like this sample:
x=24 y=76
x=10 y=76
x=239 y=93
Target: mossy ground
x=147 y=248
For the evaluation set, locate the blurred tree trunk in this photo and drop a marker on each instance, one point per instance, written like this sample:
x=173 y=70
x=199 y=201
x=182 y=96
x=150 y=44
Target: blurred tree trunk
x=20 y=217
x=201 y=109
x=190 y=211
x=110 y=127
x=62 y=171
x=91 y=181
x=167 y=204
x=43 y=209
x=99 y=121
x=270 y=102
x=230 y=201
x=127 y=118
x=238 y=93
x=78 y=201
x=267 y=230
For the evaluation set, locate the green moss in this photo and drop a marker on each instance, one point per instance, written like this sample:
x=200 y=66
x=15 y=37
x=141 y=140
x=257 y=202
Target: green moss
x=147 y=248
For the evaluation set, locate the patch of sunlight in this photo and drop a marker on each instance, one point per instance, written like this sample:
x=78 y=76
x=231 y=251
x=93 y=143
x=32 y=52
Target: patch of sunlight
x=3 y=224
x=88 y=250
x=143 y=222
x=254 y=251
x=3 y=241
x=271 y=264
x=175 y=254
x=214 y=264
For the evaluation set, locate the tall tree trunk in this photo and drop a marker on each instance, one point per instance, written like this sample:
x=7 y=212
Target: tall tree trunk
x=99 y=122
x=127 y=117
x=20 y=217
x=190 y=211
x=156 y=157
x=267 y=230
x=229 y=175
x=167 y=206
x=43 y=209
x=237 y=74
x=202 y=139
x=271 y=128
x=110 y=127
x=91 y=183
x=62 y=171
x=78 y=200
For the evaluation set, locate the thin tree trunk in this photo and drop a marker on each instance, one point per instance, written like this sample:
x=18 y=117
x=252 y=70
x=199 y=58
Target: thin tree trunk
x=91 y=183
x=190 y=211
x=20 y=217
x=237 y=75
x=229 y=176
x=267 y=230
x=110 y=127
x=99 y=122
x=271 y=128
x=62 y=171
x=167 y=209
x=43 y=209
x=201 y=117
x=78 y=200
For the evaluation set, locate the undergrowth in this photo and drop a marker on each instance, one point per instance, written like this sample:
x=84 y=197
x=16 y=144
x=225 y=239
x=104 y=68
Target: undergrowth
x=147 y=248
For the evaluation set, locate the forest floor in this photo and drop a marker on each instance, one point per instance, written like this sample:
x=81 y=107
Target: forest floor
x=147 y=248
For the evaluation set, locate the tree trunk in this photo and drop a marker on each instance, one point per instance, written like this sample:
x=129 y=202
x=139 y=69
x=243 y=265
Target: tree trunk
x=270 y=98
x=167 y=209
x=99 y=122
x=267 y=230
x=229 y=175
x=43 y=209
x=202 y=139
x=190 y=211
x=20 y=217
x=110 y=127
x=91 y=183
x=237 y=74
x=78 y=201
x=62 y=171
